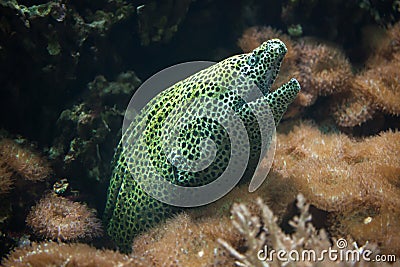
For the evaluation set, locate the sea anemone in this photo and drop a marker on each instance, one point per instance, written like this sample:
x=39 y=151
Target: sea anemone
x=61 y=254
x=323 y=70
x=23 y=160
x=5 y=177
x=59 y=218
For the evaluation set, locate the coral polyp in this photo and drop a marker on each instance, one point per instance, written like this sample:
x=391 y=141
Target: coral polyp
x=59 y=218
x=23 y=160
x=61 y=254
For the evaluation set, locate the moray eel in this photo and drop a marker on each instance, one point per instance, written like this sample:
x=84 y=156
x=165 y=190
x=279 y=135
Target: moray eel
x=129 y=210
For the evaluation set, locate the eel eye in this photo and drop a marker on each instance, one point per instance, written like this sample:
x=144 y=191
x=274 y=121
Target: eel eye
x=252 y=60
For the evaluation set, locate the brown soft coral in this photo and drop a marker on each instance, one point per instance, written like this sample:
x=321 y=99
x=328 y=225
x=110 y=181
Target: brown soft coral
x=323 y=70
x=332 y=170
x=352 y=108
x=58 y=218
x=191 y=238
x=184 y=241
x=61 y=254
x=5 y=177
x=255 y=36
x=342 y=176
x=388 y=46
x=377 y=222
x=377 y=88
x=23 y=160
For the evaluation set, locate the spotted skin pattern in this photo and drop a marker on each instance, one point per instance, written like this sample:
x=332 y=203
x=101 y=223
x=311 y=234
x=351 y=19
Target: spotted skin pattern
x=129 y=210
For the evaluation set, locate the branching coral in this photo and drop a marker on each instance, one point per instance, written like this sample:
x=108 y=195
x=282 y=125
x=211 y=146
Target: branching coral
x=262 y=233
x=61 y=254
x=58 y=218
x=23 y=160
x=345 y=177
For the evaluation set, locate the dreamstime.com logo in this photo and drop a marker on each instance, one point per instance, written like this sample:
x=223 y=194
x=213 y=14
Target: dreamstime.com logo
x=341 y=253
x=185 y=112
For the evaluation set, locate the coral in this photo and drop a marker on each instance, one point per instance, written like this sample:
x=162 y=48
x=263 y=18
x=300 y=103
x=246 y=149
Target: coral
x=61 y=254
x=184 y=241
x=343 y=176
x=54 y=9
x=376 y=88
x=382 y=86
x=312 y=16
x=384 y=43
x=323 y=70
x=191 y=238
x=262 y=233
x=352 y=109
x=5 y=177
x=159 y=21
x=58 y=218
x=23 y=160
x=333 y=171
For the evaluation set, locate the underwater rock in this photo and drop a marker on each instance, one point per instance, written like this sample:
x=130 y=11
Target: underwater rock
x=89 y=129
x=24 y=174
x=47 y=51
x=330 y=19
x=159 y=21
